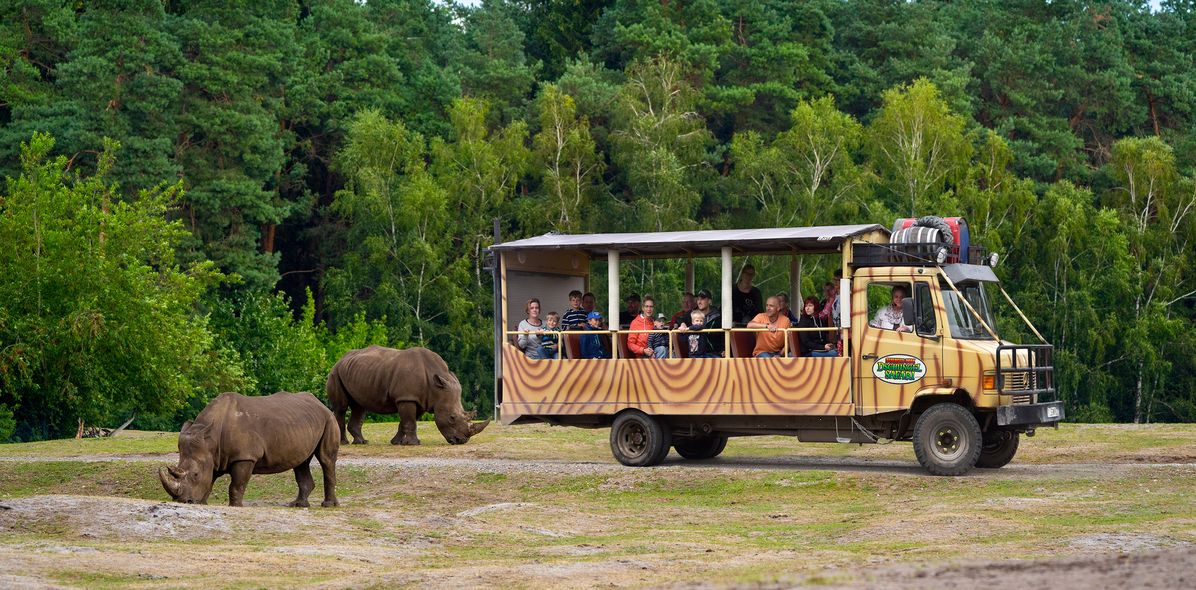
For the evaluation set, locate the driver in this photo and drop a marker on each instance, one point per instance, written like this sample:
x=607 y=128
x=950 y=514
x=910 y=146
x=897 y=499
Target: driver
x=890 y=316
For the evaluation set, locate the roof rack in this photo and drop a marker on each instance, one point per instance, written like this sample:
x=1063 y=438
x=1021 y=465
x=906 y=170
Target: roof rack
x=914 y=254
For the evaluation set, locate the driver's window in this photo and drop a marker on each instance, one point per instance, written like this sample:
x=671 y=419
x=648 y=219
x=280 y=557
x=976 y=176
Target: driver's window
x=884 y=305
x=925 y=305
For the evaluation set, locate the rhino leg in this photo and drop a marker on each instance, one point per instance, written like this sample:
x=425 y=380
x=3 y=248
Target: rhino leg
x=239 y=473
x=340 y=421
x=326 y=455
x=407 y=420
x=355 y=423
x=306 y=484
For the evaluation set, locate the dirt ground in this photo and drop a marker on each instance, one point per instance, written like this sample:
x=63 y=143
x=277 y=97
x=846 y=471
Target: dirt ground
x=442 y=516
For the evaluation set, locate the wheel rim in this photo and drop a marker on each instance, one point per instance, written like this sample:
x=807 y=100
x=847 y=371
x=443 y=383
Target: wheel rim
x=948 y=445
x=633 y=439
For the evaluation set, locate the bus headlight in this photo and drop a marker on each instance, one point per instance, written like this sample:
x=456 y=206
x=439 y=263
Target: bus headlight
x=990 y=381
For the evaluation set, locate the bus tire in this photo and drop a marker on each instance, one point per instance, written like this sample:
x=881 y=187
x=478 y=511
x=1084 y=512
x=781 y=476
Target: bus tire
x=947 y=439
x=700 y=447
x=998 y=449
x=638 y=440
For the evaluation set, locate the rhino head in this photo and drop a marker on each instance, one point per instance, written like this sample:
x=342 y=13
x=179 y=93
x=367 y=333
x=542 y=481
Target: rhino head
x=451 y=419
x=190 y=482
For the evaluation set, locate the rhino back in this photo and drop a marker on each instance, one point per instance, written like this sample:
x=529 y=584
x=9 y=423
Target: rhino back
x=276 y=431
x=378 y=377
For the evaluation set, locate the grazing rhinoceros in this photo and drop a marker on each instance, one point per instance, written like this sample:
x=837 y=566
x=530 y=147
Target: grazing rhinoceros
x=241 y=435
x=410 y=382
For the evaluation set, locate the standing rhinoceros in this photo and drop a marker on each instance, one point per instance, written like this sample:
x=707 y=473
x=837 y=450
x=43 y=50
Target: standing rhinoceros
x=241 y=435
x=410 y=382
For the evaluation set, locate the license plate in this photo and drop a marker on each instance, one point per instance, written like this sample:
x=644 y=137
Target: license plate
x=1053 y=412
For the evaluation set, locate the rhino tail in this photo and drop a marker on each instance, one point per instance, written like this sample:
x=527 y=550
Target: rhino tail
x=338 y=396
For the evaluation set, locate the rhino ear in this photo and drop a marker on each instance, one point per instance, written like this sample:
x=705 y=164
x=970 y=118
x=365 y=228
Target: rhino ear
x=186 y=425
x=199 y=430
x=439 y=381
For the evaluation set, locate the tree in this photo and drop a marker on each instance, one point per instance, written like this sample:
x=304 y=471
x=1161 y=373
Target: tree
x=401 y=268
x=659 y=142
x=1160 y=212
x=565 y=160
x=807 y=176
x=918 y=146
x=97 y=316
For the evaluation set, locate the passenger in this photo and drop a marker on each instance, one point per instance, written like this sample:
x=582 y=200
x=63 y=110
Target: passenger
x=587 y=303
x=575 y=317
x=746 y=300
x=828 y=300
x=785 y=310
x=659 y=341
x=528 y=341
x=681 y=317
x=591 y=344
x=550 y=338
x=637 y=342
x=890 y=317
x=835 y=303
x=699 y=343
x=713 y=320
x=633 y=309
x=771 y=343
x=814 y=343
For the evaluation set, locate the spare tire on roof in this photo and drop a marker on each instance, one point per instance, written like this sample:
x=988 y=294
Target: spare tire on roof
x=933 y=232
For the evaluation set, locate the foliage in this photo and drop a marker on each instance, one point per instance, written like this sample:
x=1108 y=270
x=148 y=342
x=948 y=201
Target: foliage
x=363 y=150
x=97 y=316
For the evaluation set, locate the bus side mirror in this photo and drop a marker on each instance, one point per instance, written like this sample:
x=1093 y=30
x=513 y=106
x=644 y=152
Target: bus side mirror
x=907 y=311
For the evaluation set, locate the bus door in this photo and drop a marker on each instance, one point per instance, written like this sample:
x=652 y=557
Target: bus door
x=896 y=359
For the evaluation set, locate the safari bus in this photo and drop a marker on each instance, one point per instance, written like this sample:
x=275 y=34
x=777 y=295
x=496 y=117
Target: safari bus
x=939 y=375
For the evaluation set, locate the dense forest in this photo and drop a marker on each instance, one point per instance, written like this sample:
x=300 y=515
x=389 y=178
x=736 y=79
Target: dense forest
x=206 y=195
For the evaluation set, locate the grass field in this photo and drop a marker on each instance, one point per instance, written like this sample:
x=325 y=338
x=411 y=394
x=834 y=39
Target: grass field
x=540 y=506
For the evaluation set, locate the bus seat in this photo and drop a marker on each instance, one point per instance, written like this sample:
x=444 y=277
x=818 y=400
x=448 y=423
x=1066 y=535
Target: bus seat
x=795 y=347
x=572 y=346
x=742 y=344
x=624 y=352
x=680 y=345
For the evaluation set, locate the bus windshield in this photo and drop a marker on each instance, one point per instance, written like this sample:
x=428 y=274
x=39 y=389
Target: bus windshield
x=964 y=324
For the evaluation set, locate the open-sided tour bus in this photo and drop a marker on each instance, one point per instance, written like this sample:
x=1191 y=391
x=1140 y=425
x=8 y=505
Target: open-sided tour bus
x=941 y=378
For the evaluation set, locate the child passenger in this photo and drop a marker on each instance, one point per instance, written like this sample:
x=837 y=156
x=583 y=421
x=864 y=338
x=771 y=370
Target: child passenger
x=591 y=344
x=699 y=342
x=659 y=341
x=550 y=338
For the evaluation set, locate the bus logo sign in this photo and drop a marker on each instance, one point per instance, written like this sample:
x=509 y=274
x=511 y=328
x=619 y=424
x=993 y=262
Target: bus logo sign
x=899 y=369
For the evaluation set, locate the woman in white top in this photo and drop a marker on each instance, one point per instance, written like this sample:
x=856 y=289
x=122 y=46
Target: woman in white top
x=530 y=343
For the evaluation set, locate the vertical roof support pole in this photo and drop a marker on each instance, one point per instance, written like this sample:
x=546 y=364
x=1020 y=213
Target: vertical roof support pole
x=689 y=274
x=795 y=298
x=612 y=288
x=727 y=312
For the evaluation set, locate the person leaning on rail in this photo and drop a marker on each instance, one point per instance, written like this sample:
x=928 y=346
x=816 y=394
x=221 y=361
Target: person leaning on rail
x=591 y=344
x=713 y=320
x=529 y=342
x=771 y=343
x=637 y=341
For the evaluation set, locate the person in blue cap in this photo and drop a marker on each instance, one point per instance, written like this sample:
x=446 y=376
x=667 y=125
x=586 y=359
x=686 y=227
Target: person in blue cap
x=591 y=344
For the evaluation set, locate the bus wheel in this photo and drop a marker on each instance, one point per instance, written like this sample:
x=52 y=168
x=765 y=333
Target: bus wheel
x=700 y=447
x=638 y=440
x=998 y=449
x=947 y=439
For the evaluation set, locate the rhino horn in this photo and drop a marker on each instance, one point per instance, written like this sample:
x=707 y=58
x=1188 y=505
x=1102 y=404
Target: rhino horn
x=169 y=481
x=476 y=427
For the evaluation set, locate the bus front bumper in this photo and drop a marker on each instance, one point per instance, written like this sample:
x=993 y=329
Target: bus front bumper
x=1046 y=414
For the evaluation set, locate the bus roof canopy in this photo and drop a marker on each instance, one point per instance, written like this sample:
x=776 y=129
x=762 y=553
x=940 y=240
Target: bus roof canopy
x=820 y=239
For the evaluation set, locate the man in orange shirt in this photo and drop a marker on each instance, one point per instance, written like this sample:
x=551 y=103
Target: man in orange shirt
x=638 y=343
x=771 y=343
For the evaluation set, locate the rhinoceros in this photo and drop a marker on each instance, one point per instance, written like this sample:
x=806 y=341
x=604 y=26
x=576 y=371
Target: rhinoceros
x=241 y=435
x=410 y=382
